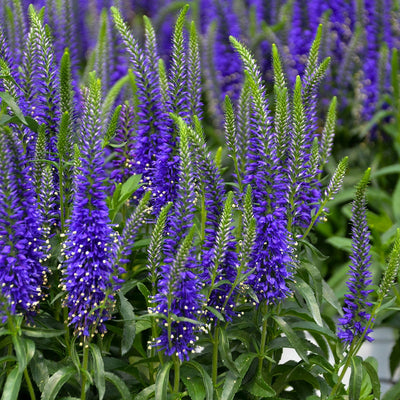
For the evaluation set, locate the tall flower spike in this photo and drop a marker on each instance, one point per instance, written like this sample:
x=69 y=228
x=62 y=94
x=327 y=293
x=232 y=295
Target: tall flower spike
x=89 y=249
x=179 y=286
x=22 y=275
x=219 y=256
x=153 y=136
x=356 y=316
x=272 y=253
x=194 y=74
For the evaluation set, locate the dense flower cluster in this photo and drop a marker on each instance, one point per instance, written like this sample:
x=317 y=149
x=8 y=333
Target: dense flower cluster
x=89 y=279
x=353 y=323
x=179 y=285
x=22 y=274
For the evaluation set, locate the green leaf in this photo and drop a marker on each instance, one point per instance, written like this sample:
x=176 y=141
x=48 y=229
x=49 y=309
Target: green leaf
x=195 y=387
x=315 y=274
x=10 y=101
x=371 y=369
x=259 y=388
x=56 y=381
x=340 y=243
x=393 y=393
x=305 y=290
x=162 y=380
x=39 y=370
x=145 y=292
x=355 y=378
x=12 y=385
x=391 y=169
x=129 y=187
x=225 y=351
x=113 y=94
x=112 y=126
x=292 y=337
x=396 y=201
x=232 y=381
x=129 y=329
x=119 y=384
x=395 y=357
x=20 y=351
x=330 y=297
x=312 y=327
x=146 y=393
x=207 y=382
x=42 y=333
x=215 y=312
x=98 y=364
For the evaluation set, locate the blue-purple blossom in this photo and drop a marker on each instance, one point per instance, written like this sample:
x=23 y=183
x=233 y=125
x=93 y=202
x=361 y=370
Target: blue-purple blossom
x=353 y=324
x=179 y=286
x=153 y=153
x=123 y=162
x=22 y=275
x=213 y=190
x=89 y=279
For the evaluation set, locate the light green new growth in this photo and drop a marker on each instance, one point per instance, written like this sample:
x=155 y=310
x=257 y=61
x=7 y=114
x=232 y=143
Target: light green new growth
x=124 y=31
x=40 y=155
x=281 y=105
x=133 y=223
x=328 y=133
x=243 y=124
x=299 y=123
x=46 y=194
x=231 y=141
x=156 y=244
x=93 y=103
x=312 y=60
x=9 y=83
x=181 y=259
x=102 y=49
x=334 y=186
x=222 y=239
x=178 y=63
x=279 y=76
x=383 y=68
x=164 y=84
x=66 y=91
x=312 y=83
x=315 y=158
x=194 y=72
x=150 y=41
x=185 y=170
x=249 y=62
x=112 y=126
x=337 y=179
x=392 y=270
x=63 y=139
x=112 y=95
x=249 y=229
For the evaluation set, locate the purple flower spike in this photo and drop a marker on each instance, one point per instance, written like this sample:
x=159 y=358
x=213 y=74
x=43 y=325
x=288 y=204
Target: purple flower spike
x=89 y=249
x=22 y=275
x=353 y=324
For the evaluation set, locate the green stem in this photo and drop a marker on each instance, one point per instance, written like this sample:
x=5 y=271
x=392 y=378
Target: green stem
x=315 y=217
x=29 y=383
x=215 y=357
x=355 y=347
x=85 y=362
x=61 y=193
x=177 y=376
x=66 y=328
x=262 y=347
x=348 y=360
